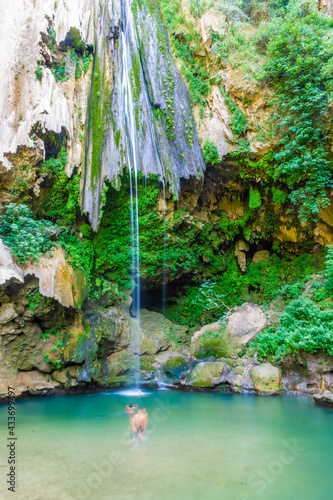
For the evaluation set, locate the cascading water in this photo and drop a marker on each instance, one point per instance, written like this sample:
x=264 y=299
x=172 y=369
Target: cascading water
x=140 y=117
x=159 y=134
x=133 y=166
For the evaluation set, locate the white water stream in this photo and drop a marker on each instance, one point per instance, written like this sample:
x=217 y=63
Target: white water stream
x=128 y=33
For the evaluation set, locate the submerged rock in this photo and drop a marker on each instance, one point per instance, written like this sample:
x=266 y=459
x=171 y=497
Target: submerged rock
x=267 y=379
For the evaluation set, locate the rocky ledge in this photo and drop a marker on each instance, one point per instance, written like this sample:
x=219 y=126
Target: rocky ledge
x=324 y=399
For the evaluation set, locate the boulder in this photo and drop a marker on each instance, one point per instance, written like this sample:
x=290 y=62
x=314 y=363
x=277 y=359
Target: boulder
x=261 y=255
x=325 y=399
x=158 y=333
x=267 y=379
x=195 y=347
x=246 y=322
x=176 y=365
x=212 y=341
x=34 y=383
x=120 y=363
x=203 y=374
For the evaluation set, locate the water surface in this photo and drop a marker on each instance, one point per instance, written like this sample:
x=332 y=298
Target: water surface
x=205 y=446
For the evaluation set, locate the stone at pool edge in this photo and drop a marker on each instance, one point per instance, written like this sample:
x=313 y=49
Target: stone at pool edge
x=324 y=399
x=242 y=326
x=267 y=379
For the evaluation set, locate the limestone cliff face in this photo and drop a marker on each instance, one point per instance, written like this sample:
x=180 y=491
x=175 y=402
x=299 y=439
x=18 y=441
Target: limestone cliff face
x=134 y=106
x=140 y=110
x=27 y=102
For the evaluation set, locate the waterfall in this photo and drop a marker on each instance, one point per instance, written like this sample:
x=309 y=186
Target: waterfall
x=133 y=166
x=157 y=133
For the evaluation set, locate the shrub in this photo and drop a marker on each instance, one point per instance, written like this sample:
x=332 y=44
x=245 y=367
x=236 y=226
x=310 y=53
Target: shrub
x=210 y=153
x=305 y=326
x=39 y=72
x=299 y=62
x=26 y=237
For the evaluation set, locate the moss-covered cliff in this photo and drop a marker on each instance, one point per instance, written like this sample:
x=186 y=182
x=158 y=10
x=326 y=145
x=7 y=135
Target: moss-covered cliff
x=102 y=93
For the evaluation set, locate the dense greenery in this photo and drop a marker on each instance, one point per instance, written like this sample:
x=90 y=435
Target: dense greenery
x=113 y=244
x=262 y=283
x=299 y=61
x=27 y=238
x=62 y=204
x=305 y=326
x=210 y=153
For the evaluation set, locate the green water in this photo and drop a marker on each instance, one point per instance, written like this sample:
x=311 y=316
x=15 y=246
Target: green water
x=198 y=446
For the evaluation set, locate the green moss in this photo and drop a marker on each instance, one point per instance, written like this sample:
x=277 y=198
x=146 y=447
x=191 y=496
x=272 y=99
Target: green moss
x=117 y=138
x=255 y=199
x=216 y=344
x=147 y=362
x=99 y=116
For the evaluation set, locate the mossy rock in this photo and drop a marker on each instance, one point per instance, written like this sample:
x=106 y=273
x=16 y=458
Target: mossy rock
x=147 y=362
x=267 y=379
x=120 y=363
x=175 y=366
x=203 y=374
x=115 y=381
x=217 y=344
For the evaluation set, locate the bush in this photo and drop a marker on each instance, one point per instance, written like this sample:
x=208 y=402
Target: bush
x=39 y=72
x=210 y=153
x=305 y=326
x=26 y=237
x=299 y=68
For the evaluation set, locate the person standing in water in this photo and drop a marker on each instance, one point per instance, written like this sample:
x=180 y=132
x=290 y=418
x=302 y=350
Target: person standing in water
x=139 y=424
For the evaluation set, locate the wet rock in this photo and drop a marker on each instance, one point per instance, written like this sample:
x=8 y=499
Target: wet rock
x=112 y=330
x=121 y=363
x=81 y=343
x=176 y=366
x=267 y=379
x=325 y=399
x=203 y=374
x=68 y=377
x=246 y=322
x=159 y=333
x=33 y=383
